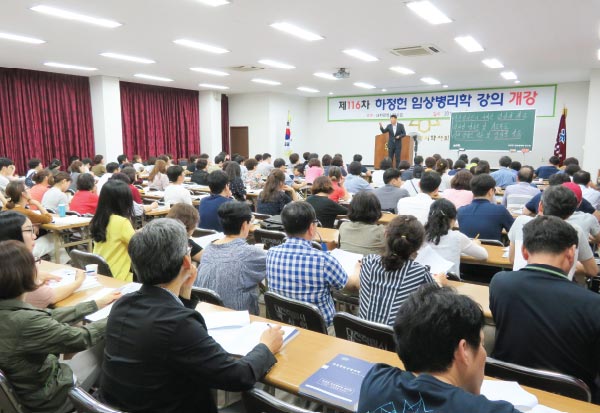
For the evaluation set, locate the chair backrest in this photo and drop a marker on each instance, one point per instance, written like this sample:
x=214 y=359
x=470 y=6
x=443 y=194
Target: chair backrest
x=9 y=403
x=201 y=232
x=269 y=238
x=553 y=382
x=81 y=259
x=294 y=312
x=316 y=245
x=261 y=217
x=85 y=403
x=516 y=202
x=352 y=328
x=259 y=401
x=491 y=242
x=340 y=222
x=208 y=296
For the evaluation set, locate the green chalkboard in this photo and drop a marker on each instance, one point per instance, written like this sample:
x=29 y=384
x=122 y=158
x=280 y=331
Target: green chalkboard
x=500 y=130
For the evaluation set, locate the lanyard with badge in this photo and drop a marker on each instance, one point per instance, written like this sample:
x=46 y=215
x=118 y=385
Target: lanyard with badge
x=547 y=271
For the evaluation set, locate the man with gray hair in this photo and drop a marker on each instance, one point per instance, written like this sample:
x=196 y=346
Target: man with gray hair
x=159 y=356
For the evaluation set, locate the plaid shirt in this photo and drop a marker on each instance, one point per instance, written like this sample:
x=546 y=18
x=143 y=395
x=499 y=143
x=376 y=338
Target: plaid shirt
x=296 y=270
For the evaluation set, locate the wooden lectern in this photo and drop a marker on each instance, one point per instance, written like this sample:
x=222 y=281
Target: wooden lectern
x=381 y=150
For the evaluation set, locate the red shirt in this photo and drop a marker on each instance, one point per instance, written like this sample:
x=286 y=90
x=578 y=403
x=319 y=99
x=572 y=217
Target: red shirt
x=135 y=193
x=337 y=194
x=84 y=202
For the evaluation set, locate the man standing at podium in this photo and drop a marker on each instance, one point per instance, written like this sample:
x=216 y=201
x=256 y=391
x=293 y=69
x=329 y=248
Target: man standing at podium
x=396 y=132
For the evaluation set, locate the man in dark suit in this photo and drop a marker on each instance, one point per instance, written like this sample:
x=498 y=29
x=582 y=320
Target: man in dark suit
x=159 y=356
x=395 y=132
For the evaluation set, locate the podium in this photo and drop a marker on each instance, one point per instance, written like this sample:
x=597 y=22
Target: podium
x=381 y=149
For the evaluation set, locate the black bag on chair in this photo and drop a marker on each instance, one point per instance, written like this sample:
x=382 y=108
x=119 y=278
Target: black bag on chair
x=273 y=224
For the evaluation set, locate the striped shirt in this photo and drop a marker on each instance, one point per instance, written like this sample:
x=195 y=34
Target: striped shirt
x=296 y=270
x=383 y=292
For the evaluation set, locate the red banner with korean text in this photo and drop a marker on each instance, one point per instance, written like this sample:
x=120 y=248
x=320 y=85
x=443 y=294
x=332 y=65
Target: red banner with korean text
x=560 y=148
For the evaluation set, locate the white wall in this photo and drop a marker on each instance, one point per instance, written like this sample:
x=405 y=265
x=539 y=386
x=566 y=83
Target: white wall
x=106 y=116
x=210 y=122
x=592 y=142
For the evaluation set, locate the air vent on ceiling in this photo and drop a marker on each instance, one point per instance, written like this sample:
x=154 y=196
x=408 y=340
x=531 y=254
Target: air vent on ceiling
x=416 y=50
x=246 y=68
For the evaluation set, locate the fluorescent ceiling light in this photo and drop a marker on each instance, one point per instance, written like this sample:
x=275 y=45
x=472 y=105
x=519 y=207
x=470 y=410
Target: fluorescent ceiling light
x=275 y=64
x=296 y=31
x=402 y=70
x=360 y=55
x=211 y=86
x=67 y=66
x=324 y=75
x=493 y=63
x=427 y=11
x=209 y=71
x=509 y=75
x=19 y=38
x=430 y=81
x=469 y=44
x=307 y=89
x=364 y=85
x=331 y=93
x=384 y=90
x=214 y=3
x=69 y=15
x=517 y=82
x=445 y=86
x=127 y=58
x=200 y=46
x=598 y=54
x=267 y=82
x=152 y=77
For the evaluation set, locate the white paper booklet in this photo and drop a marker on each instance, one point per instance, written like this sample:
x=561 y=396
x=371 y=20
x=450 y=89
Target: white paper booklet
x=226 y=319
x=241 y=341
x=437 y=264
x=207 y=239
x=509 y=391
x=103 y=313
x=346 y=259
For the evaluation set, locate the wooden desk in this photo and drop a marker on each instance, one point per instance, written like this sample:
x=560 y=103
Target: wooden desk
x=304 y=355
x=495 y=258
x=386 y=218
x=479 y=293
x=329 y=236
x=58 y=233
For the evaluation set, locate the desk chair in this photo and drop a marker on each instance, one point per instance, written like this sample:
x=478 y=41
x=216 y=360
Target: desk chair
x=201 y=232
x=206 y=295
x=294 y=312
x=491 y=242
x=269 y=238
x=345 y=302
x=340 y=221
x=82 y=258
x=9 y=403
x=84 y=403
x=553 y=382
x=260 y=217
x=351 y=328
x=515 y=203
x=258 y=401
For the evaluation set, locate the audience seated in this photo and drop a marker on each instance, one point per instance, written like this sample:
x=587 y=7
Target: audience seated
x=33 y=338
x=587 y=222
x=188 y=215
x=377 y=175
x=354 y=182
x=459 y=192
x=313 y=171
x=200 y=174
x=85 y=200
x=483 y=218
x=542 y=319
x=35 y=165
x=159 y=356
x=440 y=343
x=274 y=195
x=264 y=166
x=388 y=279
x=76 y=168
x=236 y=184
x=504 y=176
x=218 y=182
x=391 y=192
x=326 y=163
x=111 y=228
x=523 y=186
x=450 y=244
x=546 y=171
x=56 y=195
x=297 y=270
x=419 y=204
x=362 y=235
x=98 y=169
x=253 y=179
x=412 y=184
x=441 y=167
x=339 y=162
x=230 y=266
x=459 y=165
x=325 y=208
x=339 y=189
x=176 y=193
x=112 y=168
x=41 y=185
x=590 y=194
x=7 y=171
x=158 y=178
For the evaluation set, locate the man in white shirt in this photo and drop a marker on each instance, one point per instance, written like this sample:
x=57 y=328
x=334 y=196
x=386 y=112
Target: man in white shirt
x=583 y=179
x=265 y=166
x=7 y=170
x=35 y=165
x=419 y=204
x=176 y=193
x=587 y=222
x=111 y=168
x=523 y=185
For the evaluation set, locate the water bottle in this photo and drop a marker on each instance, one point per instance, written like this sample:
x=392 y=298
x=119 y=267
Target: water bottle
x=62 y=210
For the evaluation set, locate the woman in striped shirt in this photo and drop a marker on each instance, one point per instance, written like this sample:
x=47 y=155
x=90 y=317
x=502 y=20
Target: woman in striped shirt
x=387 y=280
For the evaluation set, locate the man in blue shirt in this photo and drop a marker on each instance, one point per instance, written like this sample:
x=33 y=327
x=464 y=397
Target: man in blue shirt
x=546 y=171
x=218 y=182
x=354 y=182
x=483 y=218
x=504 y=176
x=444 y=366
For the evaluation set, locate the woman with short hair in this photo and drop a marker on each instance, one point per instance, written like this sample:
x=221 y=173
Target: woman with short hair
x=459 y=192
x=188 y=215
x=362 y=235
x=85 y=200
x=56 y=195
x=42 y=181
x=325 y=208
x=313 y=171
x=253 y=178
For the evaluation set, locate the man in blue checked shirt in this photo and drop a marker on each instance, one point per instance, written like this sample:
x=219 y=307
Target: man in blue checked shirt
x=297 y=270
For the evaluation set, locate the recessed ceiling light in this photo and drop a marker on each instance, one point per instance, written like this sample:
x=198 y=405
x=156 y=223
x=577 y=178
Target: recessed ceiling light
x=275 y=64
x=364 y=85
x=469 y=44
x=427 y=11
x=509 y=75
x=266 y=82
x=128 y=58
x=324 y=75
x=214 y=3
x=430 y=81
x=67 y=66
x=384 y=90
x=598 y=54
x=517 y=81
x=402 y=70
x=360 y=55
x=493 y=63
x=307 y=89
x=331 y=93
x=209 y=71
x=19 y=38
x=69 y=15
x=445 y=86
x=211 y=86
x=200 y=46
x=296 y=31
x=152 y=77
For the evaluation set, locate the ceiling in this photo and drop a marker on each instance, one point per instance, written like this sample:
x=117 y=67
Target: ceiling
x=541 y=41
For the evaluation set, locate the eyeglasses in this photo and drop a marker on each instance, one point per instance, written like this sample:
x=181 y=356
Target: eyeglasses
x=29 y=229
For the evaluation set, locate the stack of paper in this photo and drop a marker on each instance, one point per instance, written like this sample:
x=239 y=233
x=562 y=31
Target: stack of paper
x=347 y=260
x=103 y=313
x=437 y=264
x=70 y=220
x=207 y=239
x=509 y=391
